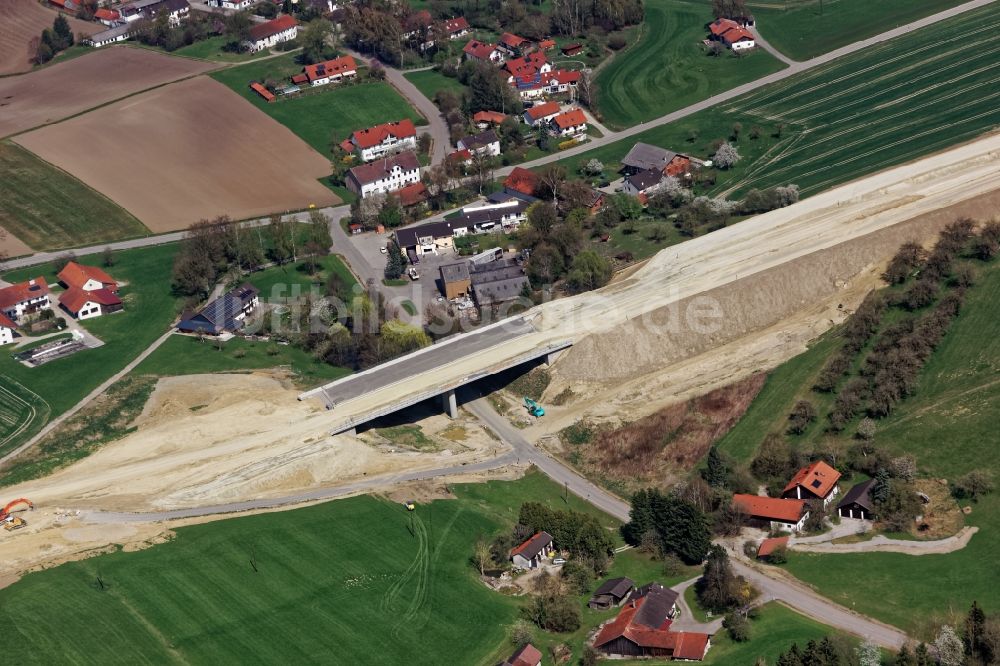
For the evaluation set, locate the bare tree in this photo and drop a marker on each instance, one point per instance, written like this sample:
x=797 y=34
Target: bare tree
x=482 y=556
x=586 y=89
x=552 y=177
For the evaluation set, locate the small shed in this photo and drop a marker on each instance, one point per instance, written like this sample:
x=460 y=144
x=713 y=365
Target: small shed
x=531 y=553
x=612 y=593
x=857 y=503
x=768 y=546
x=572 y=49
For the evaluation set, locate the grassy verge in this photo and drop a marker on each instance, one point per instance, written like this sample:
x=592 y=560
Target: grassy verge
x=213 y=49
x=669 y=68
x=49 y=209
x=279 y=283
x=429 y=81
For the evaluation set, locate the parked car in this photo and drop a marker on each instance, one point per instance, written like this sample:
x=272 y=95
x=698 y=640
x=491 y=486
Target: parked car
x=559 y=560
x=383 y=250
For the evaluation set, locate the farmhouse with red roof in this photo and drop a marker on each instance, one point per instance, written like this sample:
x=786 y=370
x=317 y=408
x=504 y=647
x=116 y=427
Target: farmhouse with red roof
x=732 y=34
x=815 y=481
x=84 y=304
x=513 y=44
x=484 y=119
x=522 y=182
x=529 y=655
x=541 y=113
x=570 y=123
x=481 y=51
x=642 y=629
x=88 y=278
x=330 y=71
x=456 y=27
x=384 y=139
x=772 y=512
x=24 y=298
x=531 y=553
x=271 y=33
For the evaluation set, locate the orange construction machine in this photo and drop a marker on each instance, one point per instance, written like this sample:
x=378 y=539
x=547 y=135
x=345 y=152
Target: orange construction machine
x=14 y=522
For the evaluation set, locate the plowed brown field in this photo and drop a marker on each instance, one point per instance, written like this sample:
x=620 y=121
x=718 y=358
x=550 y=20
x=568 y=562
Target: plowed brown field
x=71 y=87
x=184 y=152
x=20 y=21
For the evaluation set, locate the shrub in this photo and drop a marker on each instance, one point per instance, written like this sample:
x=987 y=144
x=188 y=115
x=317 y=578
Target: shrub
x=737 y=626
x=973 y=485
x=802 y=415
x=866 y=429
x=905 y=262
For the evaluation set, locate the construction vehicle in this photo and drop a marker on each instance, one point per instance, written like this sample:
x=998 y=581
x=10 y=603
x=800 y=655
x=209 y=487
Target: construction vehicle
x=533 y=407
x=14 y=522
x=410 y=505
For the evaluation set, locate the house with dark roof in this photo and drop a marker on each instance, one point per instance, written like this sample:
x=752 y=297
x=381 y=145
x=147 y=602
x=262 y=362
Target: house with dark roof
x=485 y=143
x=643 y=157
x=87 y=278
x=528 y=655
x=7 y=330
x=612 y=593
x=176 y=10
x=497 y=282
x=533 y=552
x=420 y=239
x=506 y=216
x=815 y=481
x=643 y=182
x=381 y=140
x=384 y=175
x=772 y=512
x=226 y=314
x=455 y=280
x=642 y=629
x=857 y=503
x=24 y=298
x=87 y=304
x=271 y=33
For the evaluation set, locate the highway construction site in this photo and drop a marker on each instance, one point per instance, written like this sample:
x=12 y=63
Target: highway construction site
x=695 y=317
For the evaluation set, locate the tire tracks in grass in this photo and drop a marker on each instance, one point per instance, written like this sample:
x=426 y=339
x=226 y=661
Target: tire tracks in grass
x=33 y=412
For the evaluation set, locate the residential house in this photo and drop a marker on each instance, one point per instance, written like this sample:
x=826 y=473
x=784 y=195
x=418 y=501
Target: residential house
x=570 y=124
x=384 y=139
x=731 y=33
x=643 y=157
x=530 y=66
x=455 y=280
x=227 y=313
x=412 y=195
x=768 y=546
x=7 y=330
x=24 y=298
x=857 y=503
x=485 y=143
x=642 y=629
x=108 y=17
x=483 y=52
x=506 y=216
x=271 y=33
x=484 y=119
x=815 y=481
x=429 y=238
x=330 y=71
x=456 y=27
x=176 y=10
x=528 y=655
x=531 y=553
x=547 y=44
x=643 y=182
x=87 y=278
x=772 y=512
x=117 y=34
x=571 y=50
x=560 y=81
x=541 y=113
x=497 y=282
x=385 y=175
x=236 y=5
x=612 y=593
x=512 y=44
x=418 y=24
x=87 y=304
x=678 y=166
x=521 y=184
x=596 y=202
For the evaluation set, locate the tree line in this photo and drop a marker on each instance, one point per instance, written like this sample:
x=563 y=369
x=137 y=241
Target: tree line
x=52 y=41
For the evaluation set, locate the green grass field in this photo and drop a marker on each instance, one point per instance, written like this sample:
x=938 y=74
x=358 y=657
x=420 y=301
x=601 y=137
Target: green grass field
x=429 y=81
x=324 y=118
x=279 y=283
x=949 y=426
x=669 y=68
x=149 y=309
x=800 y=31
x=49 y=209
x=212 y=49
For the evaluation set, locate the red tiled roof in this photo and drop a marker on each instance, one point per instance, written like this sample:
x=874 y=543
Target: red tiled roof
x=690 y=645
x=522 y=180
x=300 y=79
x=412 y=194
x=533 y=545
x=542 y=110
x=494 y=117
x=563 y=76
x=529 y=655
x=341 y=65
x=572 y=49
x=771 y=508
x=347 y=146
x=262 y=91
x=74 y=299
x=22 y=291
x=102 y=14
x=736 y=34
x=546 y=44
x=818 y=478
x=373 y=136
x=462 y=155
x=768 y=546
x=456 y=24
x=77 y=275
x=478 y=49
x=570 y=119
x=512 y=40
x=5 y=322
x=272 y=27
x=719 y=26
x=679 y=643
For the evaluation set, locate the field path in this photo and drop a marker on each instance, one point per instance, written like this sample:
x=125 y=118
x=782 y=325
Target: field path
x=764 y=44
x=883 y=544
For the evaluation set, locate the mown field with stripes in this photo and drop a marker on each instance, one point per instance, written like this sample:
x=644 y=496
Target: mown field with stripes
x=886 y=105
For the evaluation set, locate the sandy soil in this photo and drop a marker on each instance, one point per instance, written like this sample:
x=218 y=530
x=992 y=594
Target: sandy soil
x=11 y=245
x=184 y=152
x=22 y=20
x=66 y=89
x=883 y=544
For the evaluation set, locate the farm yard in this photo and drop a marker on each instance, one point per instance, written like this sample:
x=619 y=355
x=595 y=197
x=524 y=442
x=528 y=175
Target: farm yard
x=43 y=208
x=669 y=68
x=802 y=29
x=321 y=117
x=22 y=20
x=65 y=89
x=170 y=163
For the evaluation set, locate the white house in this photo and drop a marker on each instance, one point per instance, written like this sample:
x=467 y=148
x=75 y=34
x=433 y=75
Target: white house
x=506 y=216
x=237 y=5
x=815 y=481
x=774 y=513
x=418 y=240
x=384 y=175
x=24 y=298
x=117 y=34
x=88 y=278
x=541 y=114
x=485 y=143
x=176 y=10
x=531 y=553
x=643 y=182
x=570 y=124
x=731 y=33
x=89 y=304
x=384 y=139
x=265 y=35
x=6 y=330
x=330 y=71
x=476 y=50
x=456 y=27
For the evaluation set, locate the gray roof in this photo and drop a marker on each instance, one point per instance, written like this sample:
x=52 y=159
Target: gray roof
x=457 y=272
x=859 y=495
x=497 y=282
x=111 y=33
x=535 y=544
x=645 y=179
x=408 y=236
x=659 y=603
x=616 y=587
x=645 y=156
x=481 y=215
x=480 y=140
x=382 y=168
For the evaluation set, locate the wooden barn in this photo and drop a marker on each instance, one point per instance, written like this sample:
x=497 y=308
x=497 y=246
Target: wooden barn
x=857 y=503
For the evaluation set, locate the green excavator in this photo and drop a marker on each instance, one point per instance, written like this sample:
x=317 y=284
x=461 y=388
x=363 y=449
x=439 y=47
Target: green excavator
x=533 y=407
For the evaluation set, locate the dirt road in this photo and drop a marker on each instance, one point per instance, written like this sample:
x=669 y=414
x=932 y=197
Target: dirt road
x=883 y=544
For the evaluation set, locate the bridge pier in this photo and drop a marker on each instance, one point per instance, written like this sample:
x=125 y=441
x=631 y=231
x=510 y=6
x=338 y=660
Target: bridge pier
x=450 y=403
